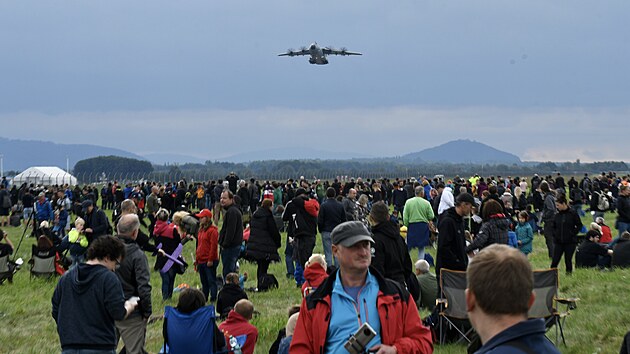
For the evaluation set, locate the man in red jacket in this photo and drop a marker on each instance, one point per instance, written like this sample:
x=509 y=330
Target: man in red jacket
x=359 y=295
x=237 y=325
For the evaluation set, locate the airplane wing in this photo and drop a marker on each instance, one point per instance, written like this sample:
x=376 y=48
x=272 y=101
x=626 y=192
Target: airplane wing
x=292 y=53
x=341 y=51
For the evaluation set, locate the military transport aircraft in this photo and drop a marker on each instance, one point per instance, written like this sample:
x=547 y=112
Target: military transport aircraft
x=317 y=53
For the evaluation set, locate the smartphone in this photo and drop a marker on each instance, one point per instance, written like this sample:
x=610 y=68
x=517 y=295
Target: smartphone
x=359 y=341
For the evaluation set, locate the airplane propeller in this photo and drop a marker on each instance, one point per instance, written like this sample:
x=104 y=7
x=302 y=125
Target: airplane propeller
x=303 y=48
x=290 y=51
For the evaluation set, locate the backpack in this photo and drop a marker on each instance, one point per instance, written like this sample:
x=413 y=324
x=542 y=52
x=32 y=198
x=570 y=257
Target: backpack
x=602 y=202
x=312 y=207
x=267 y=282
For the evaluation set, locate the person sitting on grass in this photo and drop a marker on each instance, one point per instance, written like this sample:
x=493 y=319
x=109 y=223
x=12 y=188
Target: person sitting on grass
x=428 y=285
x=5 y=250
x=605 y=230
x=621 y=255
x=289 y=329
x=191 y=300
x=591 y=254
x=229 y=295
x=282 y=333
x=237 y=325
x=315 y=273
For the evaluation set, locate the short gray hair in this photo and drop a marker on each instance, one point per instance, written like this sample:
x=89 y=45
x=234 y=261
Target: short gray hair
x=423 y=266
x=127 y=224
x=419 y=191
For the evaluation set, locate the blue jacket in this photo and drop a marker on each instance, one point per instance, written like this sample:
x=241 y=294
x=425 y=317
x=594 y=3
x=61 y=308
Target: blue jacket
x=524 y=337
x=44 y=211
x=526 y=236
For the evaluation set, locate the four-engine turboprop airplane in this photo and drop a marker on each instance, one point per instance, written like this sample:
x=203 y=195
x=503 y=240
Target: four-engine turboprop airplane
x=317 y=53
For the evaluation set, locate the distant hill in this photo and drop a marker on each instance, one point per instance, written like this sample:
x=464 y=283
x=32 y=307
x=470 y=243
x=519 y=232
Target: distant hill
x=172 y=159
x=22 y=154
x=293 y=153
x=463 y=151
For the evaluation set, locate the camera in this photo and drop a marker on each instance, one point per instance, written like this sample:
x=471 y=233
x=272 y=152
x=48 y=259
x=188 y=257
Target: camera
x=358 y=342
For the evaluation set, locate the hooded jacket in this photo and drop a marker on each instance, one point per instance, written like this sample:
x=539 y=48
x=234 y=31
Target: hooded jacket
x=85 y=304
x=391 y=257
x=314 y=275
x=227 y=298
x=264 y=238
x=451 y=252
x=399 y=319
x=567 y=224
x=236 y=325
x=494 y=230
x=304 y=223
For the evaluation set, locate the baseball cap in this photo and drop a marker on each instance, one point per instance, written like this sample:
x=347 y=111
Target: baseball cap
x=349 y=233
x=204 y=213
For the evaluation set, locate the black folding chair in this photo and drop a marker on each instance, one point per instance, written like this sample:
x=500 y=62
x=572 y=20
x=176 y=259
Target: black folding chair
x=452 y=306
x=546 y=304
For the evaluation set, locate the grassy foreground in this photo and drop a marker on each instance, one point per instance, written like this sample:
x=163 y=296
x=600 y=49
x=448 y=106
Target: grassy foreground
x=596 y=326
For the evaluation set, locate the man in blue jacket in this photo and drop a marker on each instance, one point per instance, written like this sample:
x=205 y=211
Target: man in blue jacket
x=498 y=297
x=43 y=210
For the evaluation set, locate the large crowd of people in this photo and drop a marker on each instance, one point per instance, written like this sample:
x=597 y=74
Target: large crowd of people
x=365 y=268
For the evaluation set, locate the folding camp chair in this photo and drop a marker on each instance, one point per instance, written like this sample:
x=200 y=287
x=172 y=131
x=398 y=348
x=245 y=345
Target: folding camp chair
x=189 y=333
x=452 y=306
x=43 y=263
x=7 y=269
x=546 y=304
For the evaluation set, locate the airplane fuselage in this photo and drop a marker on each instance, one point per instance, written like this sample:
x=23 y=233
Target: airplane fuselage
x=317 y=55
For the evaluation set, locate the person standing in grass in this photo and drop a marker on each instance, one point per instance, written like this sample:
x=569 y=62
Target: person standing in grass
x=566 y=225
x=89 y=298
x=524 y=233
x=135 y=278
x=207 y=255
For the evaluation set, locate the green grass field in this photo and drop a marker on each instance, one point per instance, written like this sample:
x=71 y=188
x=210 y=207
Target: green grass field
x=596 y=326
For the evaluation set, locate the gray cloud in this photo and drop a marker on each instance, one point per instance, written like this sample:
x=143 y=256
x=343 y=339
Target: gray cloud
x=558 y=134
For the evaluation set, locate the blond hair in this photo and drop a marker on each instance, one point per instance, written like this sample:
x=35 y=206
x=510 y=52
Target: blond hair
x=78 y=221
x=317 y=258
x=178 y=217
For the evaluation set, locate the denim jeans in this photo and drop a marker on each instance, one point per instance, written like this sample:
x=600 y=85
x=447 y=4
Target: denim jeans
x=208 y=277
x=288 y=258
x=229 y=256
x=168 y=283
x=622 y=226
x=327 y=245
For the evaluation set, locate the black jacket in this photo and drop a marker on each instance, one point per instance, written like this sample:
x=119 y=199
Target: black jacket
x=228 y=297
x=391 y=257
x=264 y=238
x=331 y=214
x=304 y=224
x=97 y=221
x=623 y=209
x=135 y=277
x=621 y=254
x=231 y=234
x=566 y=225
x=451 y=252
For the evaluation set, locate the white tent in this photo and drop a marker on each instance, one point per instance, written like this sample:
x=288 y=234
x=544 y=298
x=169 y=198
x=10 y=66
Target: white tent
x=44 y=176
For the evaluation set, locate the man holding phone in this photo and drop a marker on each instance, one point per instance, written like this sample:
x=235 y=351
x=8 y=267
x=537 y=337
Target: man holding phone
x=359 y=295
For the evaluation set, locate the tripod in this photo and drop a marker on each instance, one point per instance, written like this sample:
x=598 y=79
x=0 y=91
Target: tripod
x=28 y=222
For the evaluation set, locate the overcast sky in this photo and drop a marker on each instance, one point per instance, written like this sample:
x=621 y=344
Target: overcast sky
x=545 y=80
